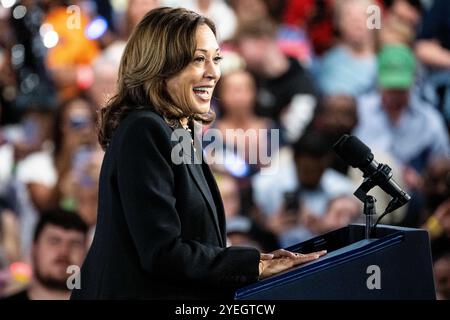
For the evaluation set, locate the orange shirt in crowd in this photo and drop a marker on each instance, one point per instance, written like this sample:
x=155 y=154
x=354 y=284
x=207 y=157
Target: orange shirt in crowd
x=74 y=50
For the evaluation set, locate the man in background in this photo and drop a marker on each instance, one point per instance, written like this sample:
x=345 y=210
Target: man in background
x=59 y=242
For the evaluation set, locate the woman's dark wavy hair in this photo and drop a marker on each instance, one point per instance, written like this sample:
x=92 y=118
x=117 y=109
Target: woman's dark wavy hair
x=160 y=46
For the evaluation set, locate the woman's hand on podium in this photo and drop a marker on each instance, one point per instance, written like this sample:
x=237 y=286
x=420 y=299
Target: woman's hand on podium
x=281 y=260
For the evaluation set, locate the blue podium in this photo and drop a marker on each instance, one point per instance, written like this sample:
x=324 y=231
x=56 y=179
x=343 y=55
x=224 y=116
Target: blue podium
x=394 y=264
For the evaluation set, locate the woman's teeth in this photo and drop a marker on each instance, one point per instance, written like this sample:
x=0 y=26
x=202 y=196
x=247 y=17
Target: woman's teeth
x=202 y=92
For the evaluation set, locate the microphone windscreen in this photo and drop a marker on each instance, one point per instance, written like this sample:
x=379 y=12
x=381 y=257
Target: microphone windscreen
x=353 y=151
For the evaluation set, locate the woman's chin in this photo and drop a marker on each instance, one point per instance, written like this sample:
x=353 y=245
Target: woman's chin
x=202 y=107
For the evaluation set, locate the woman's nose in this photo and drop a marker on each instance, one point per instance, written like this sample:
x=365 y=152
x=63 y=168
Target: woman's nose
x=212 y=71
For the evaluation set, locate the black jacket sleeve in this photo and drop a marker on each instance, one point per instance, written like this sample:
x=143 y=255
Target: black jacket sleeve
x=146 y=187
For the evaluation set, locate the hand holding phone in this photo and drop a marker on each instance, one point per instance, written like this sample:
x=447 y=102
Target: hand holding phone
x=291 y=202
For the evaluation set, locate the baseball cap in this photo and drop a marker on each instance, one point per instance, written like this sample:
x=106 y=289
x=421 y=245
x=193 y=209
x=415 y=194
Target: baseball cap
x=396 y=66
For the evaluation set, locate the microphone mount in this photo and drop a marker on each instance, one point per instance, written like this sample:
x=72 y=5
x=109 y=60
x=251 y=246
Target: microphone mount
x=381 y=175
x=358 y=155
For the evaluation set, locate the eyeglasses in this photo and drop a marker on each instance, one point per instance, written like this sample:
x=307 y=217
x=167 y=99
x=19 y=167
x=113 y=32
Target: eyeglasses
x=78 y=122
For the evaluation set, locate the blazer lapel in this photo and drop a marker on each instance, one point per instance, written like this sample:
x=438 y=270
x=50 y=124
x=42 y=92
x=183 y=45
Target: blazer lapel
x=194 y=170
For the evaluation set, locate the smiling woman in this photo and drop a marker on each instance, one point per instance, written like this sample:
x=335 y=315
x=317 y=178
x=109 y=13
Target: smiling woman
x=195 y=84
x=160 y=230
x=160 y=68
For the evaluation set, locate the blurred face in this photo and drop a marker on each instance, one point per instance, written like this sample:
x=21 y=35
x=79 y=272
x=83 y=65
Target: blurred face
x=405 y=12
x=195 y=83
x=104 y=85
x=250 y=9
x=253 y=50
x=86 y=191
x=394 y=102
x=55 y=250
x=78 y=120
x=339 y=116
x=442 y=278
x=138 y=8
x=229 y=191
x=37 y=127
x=310 y=170
x=395 y=31
x=437 y=182
x=238 y=93
x=353 y=23
x=343 y=211
x=204 y=3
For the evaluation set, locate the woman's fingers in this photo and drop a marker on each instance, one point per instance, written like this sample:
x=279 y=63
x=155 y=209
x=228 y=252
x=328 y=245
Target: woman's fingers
x=303 y=258
x=281 y=253
x=320 y=253
x=266 y=256
x=316 y=254
x=284 y=260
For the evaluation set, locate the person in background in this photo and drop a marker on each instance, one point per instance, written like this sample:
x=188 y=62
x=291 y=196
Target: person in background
x=35 y=131
x=438 y=227
x=395 y=32
x=433 y=51
x=397 y=122
x=136 y=10
x=304 y=183
x=350 y=67
x=286 y=91
x=47 y=173
x=408 y=12
x=30 y=136
x=238 y=227
x=105 y=68
x=433 y=190
x=336 y=115
x=250 y=10
x=316 y=17
x=219 y=12
x=9 y=236
x=47 y=176
x=292 y=39
x=433 y=44
x=11 y=259
x=341 y=211
x=69 y=59
x=400 y=22
x=242 y=226
x=237 y=102
x=86 y=179
x=6 y=159
x=433 y=211
x=59 y=242
x=441 y=269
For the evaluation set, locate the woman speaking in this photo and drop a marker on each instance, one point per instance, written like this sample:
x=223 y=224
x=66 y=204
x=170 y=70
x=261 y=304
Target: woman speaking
x=161 y=228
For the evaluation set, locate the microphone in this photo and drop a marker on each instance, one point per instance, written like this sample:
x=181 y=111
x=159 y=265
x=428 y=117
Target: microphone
x=358 y=155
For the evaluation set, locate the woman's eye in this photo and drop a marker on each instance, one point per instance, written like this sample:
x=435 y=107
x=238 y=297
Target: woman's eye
x=218 y=59
x=199 y=59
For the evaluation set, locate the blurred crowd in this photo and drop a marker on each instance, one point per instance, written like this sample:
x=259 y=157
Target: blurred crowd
x=312 y=69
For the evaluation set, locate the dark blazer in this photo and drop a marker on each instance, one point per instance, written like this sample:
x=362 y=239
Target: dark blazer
x=161 y=228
